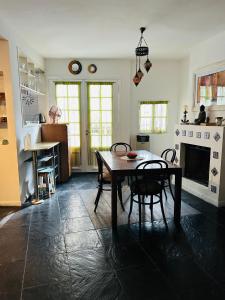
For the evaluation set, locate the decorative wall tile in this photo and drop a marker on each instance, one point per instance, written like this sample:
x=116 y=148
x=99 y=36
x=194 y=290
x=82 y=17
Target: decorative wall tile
x=177 y=132
x=213 y=189
x=215 y=154
x=177 y=146
x=198 y=135
x=183 y=132
x=214 y=171
x=190 y=133
x=207 y=135
x=216 y=136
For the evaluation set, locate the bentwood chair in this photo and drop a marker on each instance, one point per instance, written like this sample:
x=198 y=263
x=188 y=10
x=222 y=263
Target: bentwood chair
x=168 y=155
x=104 y=178
x=145 y=186
x=120 y=147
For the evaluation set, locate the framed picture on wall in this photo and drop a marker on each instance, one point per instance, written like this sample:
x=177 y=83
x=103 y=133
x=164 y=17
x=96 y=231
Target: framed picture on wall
x=210 y=88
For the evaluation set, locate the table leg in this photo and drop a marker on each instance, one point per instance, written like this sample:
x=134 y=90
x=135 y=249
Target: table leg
x=114 y=202
x=177 y=200
x=35 y=176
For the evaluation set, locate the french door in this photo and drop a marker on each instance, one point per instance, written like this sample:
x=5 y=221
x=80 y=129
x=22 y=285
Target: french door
x=88 y=109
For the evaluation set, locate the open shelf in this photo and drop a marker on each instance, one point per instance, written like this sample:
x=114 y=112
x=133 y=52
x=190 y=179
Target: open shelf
x=31 y=90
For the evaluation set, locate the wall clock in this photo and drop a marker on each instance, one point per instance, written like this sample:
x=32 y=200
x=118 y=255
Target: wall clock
x=75 y=67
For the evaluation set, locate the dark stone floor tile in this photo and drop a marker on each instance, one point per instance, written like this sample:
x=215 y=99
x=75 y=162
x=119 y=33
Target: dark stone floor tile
x=127 y=255
x=46 y=213
x=145 y=283
x=73 y=212
x=104 y=286
x=88 y=263
x=184 y=274
x=77 y=225
x=200 y=225
x=13 y=244
x=209 y=291
x=43 y=229
x=11 y=275
x=82 y=240
x=212 y=260
x=61 y=291
x=20 y=218
x=123 y=236
x=16 y=295
x=103 y=220
x=162 y=244
x=70 y=201
x=49 y=268
x=39 y=246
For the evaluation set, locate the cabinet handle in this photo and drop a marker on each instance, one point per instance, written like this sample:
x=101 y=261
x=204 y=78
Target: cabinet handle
x=5 y=142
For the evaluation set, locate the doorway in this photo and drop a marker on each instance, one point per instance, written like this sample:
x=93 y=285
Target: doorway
x=87 y=107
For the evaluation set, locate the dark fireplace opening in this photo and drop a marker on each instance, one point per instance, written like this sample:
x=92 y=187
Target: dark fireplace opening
x=197 y=159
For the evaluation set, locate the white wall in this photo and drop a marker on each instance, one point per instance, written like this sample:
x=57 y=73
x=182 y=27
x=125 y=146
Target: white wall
x=161 y=83
x=25 y=171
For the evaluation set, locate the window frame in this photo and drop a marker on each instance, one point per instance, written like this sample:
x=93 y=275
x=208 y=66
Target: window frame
x=100 y=83
x=153 y=103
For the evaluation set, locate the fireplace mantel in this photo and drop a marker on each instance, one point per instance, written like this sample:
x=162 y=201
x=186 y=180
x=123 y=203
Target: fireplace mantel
x=212 y=137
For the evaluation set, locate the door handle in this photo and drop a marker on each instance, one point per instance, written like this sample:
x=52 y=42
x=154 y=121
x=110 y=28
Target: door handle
x=87 y=132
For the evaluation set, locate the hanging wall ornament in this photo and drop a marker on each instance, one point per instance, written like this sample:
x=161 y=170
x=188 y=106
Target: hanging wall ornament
x=75 y=67
x=148 y=65
x=136 y=79
x=92 y=68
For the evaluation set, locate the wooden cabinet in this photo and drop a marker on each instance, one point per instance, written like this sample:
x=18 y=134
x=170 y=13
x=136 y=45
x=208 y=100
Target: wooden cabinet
x=59 y=133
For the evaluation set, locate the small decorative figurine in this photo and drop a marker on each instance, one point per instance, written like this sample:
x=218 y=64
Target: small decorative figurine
x=185 y=121
x=201 y=116
x=54 y=114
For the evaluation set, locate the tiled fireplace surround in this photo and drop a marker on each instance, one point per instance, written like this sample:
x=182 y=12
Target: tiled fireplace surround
x=206 y=136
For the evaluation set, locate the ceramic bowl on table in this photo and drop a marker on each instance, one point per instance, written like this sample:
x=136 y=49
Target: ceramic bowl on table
x=131 y=155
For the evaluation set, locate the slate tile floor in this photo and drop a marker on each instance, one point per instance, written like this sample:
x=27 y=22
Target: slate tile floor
x=62 y=250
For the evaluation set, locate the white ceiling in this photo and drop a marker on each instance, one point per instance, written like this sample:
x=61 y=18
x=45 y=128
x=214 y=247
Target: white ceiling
x=110 y=29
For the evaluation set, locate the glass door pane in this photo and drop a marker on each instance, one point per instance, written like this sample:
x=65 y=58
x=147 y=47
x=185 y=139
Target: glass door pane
x=68 y=99
x=100 y=118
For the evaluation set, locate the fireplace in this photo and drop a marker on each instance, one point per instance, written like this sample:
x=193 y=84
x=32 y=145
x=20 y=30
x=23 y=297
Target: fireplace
x=201 y=154
x=196 y=163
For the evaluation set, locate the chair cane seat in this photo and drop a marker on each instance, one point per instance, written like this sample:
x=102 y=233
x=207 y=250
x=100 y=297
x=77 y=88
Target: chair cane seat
x=146 y=187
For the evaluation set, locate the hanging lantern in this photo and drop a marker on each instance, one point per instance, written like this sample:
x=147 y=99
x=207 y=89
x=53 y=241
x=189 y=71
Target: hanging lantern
x=136 y=79
x=140 y=74
x=140 y=51
x=148 y=65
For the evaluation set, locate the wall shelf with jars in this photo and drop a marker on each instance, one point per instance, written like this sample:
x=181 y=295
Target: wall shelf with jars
x=32 y=88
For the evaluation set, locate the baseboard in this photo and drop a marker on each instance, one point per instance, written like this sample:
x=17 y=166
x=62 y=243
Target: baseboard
x=7 y=203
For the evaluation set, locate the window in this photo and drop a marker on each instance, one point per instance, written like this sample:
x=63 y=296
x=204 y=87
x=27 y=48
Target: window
x=68 y=99
x=153 y=116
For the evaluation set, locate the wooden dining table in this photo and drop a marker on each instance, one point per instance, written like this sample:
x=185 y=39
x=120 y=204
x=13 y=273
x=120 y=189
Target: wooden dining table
x=118 y=165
